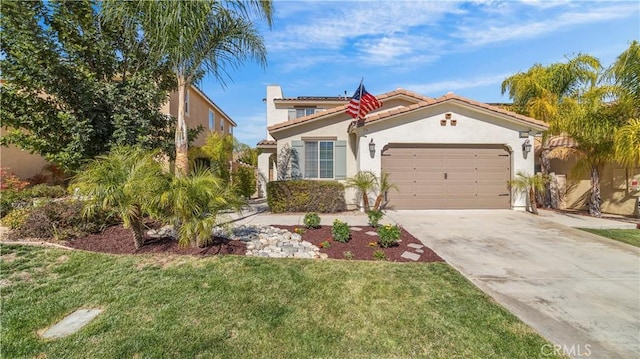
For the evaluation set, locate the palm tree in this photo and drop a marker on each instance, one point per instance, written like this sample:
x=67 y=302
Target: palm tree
x=383 y=186
x=627 y=144
x=193 y=203
x=128 y=181
x=196 y=38
x=219 y=149
x=540 y=91
x=363 y=181
x=529 y=185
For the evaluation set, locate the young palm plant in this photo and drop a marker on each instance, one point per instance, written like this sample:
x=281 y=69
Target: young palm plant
x=527 y=184
x=363 y=181
x=383 y=186
x=127 y=181
x=193 y=204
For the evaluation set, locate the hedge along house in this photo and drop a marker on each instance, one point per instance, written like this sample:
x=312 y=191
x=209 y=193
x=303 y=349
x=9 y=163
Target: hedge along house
x=199 y=110
x=445 y=153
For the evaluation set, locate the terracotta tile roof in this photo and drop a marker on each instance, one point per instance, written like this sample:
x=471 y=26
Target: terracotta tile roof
x=453 y=97
x=267 y=143
x=341 y=109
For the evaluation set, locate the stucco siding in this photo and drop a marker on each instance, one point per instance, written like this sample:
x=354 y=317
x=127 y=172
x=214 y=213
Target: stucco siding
x=615 y=187
x=472 y=127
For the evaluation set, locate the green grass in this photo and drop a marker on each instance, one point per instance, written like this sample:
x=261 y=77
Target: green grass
x=242 y=307
x=629 y=236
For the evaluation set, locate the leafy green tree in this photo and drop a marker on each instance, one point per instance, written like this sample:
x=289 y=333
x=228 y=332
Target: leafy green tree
x=627 y=144
x=529 y=185
x=74 y=85
x=363 y=182
x=193 y=203
x=128 y=181
x=196 y=38
x=219 y=149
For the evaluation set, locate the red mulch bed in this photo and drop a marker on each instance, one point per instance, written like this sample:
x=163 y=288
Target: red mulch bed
x=359 y=246
x=118 y=240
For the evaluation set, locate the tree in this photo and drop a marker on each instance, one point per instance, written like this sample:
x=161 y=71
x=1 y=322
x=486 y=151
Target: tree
x=193 y=202
x=74 y=86
x=219 y=150
x=196 y=38
x=128 y=181
x=540 y=91
x=529 y=185
x=363 y=181
x=627 y=144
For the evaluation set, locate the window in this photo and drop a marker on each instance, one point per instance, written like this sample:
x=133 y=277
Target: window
x=212 y=121
x=186 y=102
x=318 y=159
x=301 y=112
x=222 y=125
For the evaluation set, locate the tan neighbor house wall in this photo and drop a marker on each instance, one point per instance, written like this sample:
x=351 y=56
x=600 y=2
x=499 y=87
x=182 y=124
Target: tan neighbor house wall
x=20 y=162
x=615 y=186
x=197 y=114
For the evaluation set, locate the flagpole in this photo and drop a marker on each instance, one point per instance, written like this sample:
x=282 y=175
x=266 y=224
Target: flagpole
x=360 y=97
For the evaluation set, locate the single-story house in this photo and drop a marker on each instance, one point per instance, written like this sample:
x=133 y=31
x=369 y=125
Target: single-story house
x=449 y=152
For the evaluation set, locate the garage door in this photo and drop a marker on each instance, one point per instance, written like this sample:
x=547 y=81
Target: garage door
x=448 y=176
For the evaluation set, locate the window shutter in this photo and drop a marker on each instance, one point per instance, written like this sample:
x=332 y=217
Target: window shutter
x=341 y=160
x=297 y=159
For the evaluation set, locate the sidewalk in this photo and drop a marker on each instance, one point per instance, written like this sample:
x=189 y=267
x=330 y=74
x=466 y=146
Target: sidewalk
x=578 y=220
x=258 y=213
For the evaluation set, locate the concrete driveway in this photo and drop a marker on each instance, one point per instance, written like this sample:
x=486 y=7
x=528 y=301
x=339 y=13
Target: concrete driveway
x=578 y=290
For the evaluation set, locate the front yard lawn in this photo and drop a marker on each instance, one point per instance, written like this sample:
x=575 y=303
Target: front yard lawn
x=629 y=236
x=244 y=307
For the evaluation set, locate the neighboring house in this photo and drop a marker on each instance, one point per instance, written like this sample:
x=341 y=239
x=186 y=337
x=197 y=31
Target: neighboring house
x=444 y=153
x=199 y=110
x=619 y=187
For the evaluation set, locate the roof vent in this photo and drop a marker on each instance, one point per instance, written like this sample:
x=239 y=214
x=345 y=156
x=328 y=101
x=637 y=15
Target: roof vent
x=450 y=93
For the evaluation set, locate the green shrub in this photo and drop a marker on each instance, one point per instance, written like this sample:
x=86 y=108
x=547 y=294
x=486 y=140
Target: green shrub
x=374 y=217
x=388 y=235
x=311 y=220
x=55 y=218
x=16 y=218
x=325 y=244
x=347 y=255
x=379 y=255
x=306 y=196
x=44 y=190
x=244 y=181
x=340 y=231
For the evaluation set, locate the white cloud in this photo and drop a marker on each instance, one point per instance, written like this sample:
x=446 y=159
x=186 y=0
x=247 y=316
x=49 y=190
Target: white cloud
x=442 y=87
x=501 y=30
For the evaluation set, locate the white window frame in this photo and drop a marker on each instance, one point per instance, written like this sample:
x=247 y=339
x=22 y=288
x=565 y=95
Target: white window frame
x=212 y=120
x=318 y=168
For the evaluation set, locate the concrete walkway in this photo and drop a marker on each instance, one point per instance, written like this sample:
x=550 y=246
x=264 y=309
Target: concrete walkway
x=578 y=290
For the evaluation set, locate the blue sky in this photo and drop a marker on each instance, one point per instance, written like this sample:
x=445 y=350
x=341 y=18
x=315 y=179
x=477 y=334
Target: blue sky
x=430 y=47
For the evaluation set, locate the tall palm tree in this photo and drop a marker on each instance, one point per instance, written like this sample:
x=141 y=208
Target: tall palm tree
x=196 y=38
x=540 y=91
x=627 y=144
x=128 y=181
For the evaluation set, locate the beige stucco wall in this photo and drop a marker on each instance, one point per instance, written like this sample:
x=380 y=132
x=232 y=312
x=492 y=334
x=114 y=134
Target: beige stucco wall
x=198 y=114
x=20 y=162
x=472 y=127
x=615 y=187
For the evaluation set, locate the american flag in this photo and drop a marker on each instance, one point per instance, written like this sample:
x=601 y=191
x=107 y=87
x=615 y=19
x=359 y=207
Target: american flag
x=362 y=103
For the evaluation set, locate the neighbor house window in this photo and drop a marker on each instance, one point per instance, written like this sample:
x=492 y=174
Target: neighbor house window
x=318 y=159
x=212 y=121
x=222 y=125
x=186 y=102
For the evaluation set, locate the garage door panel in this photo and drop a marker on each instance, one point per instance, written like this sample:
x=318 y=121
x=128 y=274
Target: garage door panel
x=431 y=177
